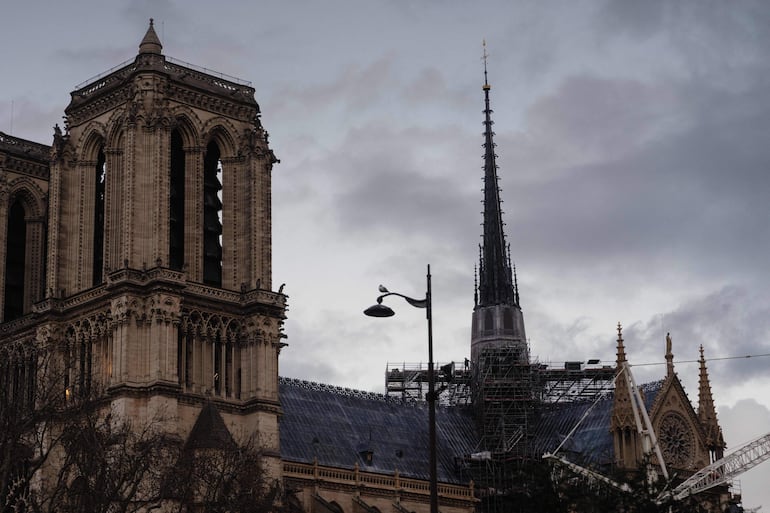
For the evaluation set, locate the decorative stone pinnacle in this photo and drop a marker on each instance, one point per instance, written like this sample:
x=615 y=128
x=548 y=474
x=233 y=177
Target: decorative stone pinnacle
x=150 y=43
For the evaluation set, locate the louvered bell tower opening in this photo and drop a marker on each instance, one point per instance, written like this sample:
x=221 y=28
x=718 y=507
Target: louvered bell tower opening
x=212 y=216
x=14 y=262
x=99 y=188
x=176 y=202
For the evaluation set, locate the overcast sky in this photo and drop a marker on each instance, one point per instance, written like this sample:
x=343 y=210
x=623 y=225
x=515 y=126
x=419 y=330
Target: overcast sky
x=633 y=141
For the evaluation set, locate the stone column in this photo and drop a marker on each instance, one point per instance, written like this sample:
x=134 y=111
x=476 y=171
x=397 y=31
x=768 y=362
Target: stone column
x=4 y=207
x=193 y=208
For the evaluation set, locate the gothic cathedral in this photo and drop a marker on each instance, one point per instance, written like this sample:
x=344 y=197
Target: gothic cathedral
x=136 y=254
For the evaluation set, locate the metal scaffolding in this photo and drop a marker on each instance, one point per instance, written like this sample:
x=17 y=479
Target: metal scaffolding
x=574 y=382
x=408 y=382
x=504 y=394
x=511 y=397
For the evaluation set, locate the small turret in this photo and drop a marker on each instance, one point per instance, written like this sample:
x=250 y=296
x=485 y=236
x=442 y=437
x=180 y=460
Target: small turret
x=669 y=357
x=622 y=424
x=150 y=43
x=622 y=413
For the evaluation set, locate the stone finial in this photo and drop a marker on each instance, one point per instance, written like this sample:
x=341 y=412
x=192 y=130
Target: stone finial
x=621 y=354
x=151 y=42
x=669 y=356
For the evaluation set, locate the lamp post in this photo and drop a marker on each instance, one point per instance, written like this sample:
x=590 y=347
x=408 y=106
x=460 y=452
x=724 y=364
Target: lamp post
x=380 y=310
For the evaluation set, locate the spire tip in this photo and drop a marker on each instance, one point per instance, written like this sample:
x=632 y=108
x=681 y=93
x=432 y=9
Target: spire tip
x=484 y=56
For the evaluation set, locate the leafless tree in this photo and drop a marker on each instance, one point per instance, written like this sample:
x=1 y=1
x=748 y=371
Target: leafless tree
x=63 y=450
x=221 y=480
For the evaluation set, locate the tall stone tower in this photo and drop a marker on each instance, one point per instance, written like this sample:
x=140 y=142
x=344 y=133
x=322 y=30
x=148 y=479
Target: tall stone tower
x=158 y=292
x=502 y=383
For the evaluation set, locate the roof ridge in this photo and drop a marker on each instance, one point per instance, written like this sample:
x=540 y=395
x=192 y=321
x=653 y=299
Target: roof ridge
x=339 y=390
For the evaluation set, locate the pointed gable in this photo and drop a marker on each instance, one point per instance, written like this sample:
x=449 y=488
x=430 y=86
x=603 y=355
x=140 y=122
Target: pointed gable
x=677 y=427
x=209 y=431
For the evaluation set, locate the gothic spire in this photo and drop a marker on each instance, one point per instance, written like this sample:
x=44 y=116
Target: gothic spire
x=706 y=411
x=621 y=354
x=151 y=42
x=622 y=412
x=495 y=277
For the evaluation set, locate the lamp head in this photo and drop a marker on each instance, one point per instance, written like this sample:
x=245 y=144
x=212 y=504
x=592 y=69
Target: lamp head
x=379 y=310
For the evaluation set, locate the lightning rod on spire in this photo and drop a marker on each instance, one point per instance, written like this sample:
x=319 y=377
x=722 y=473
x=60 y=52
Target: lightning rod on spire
x=484 y=57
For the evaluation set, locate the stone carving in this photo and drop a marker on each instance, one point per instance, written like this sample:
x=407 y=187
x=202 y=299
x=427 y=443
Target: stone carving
x=59 y=141
x=125 y=308
x=164 y=308
x=46 y=334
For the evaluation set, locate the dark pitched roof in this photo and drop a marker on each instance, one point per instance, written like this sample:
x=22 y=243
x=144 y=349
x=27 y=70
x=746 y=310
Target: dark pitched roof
x=337 y=425
x=209 y=431
x=591 y=444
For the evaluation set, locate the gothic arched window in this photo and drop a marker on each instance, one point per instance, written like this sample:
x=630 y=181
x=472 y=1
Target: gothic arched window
x=489 y=321
x=101 y=178
x=176 y=202
x=15 y=257
x=508 y=319
x=212 y=216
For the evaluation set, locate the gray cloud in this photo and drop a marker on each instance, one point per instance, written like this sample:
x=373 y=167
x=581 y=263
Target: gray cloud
x=743 y=422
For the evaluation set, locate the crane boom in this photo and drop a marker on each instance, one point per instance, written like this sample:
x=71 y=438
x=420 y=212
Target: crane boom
x=590 y=475
x=747 y=456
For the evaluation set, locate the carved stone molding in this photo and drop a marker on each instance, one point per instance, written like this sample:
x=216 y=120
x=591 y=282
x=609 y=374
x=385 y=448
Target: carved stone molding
x=164 y=308
x=128 y=307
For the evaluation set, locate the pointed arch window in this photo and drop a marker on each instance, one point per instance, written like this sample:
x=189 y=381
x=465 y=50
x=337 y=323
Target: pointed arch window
x=99 y=188
x=176 y=202
x=15 y=257
x=508 y=320
x=489 y=321
x=212 y=216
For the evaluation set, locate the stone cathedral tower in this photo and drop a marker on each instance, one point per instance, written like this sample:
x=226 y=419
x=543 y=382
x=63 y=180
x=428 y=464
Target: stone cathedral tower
x=154 y=285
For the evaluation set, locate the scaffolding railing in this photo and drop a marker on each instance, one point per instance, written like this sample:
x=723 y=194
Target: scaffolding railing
x=408 y=382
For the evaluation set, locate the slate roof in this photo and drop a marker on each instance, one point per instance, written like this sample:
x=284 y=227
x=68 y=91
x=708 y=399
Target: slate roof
x=336 y=425
x=592 y=443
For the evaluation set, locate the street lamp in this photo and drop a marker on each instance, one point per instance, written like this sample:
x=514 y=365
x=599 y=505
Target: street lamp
x=380 y=310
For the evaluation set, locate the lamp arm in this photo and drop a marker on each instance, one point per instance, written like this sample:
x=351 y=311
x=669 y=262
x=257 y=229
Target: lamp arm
x=417 y=303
